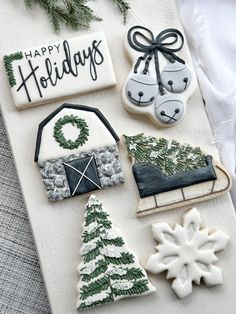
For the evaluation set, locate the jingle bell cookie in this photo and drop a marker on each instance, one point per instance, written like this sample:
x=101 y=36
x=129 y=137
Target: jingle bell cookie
x=73 y=66
x=187 y=253
x=160 y=83
x=169 y=174
x=109 y=270
x=76 y=151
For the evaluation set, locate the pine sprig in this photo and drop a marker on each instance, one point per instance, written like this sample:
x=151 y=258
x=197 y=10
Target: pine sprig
x=126 y=258
x=117 y=241
x=95 y=287
x=123 y=7
x=75 y=14
x=101 y=268
x=139 y=287
x=86 y=237
x=131 y=274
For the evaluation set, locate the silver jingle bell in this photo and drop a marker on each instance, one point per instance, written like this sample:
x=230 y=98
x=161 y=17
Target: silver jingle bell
x=141 y=90
x=169 y=109
x=176 y=77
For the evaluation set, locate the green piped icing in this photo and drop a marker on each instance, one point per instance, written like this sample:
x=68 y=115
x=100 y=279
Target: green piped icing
x=8 y=59
x=170 y=157
x=75 y=121
x=105 y=277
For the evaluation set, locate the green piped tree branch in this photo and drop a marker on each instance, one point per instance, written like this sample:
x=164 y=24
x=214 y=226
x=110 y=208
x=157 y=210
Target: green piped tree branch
x=8 y=59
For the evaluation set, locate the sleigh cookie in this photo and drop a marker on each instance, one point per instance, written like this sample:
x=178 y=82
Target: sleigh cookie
x=77 y=152
x=159 y=83
x=169 y=174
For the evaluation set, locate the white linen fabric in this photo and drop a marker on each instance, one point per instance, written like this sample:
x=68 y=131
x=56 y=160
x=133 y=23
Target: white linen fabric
x=210 y=30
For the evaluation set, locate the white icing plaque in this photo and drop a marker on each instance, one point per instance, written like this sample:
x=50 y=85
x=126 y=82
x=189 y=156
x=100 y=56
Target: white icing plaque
x=75 y=66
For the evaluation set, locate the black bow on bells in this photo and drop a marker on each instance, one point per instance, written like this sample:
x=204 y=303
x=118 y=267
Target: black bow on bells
x=136 y=38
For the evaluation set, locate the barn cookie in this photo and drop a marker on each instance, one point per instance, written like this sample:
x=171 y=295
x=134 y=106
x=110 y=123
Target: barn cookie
x=77 y=152
x=109 y=270
x=187 y=253
x=160 y=83
x=169 y=174
x=74 y=66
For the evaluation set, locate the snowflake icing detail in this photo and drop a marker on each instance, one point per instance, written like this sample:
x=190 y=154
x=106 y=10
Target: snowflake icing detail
x=187 y=253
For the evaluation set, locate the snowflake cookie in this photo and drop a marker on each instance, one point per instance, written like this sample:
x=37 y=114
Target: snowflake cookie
x=187 y=253
x=109 y=270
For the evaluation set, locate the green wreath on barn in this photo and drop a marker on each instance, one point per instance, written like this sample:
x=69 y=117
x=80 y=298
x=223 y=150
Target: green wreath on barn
x=75 y=121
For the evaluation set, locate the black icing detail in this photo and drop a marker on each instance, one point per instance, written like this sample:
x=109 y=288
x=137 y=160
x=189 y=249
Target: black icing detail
x=151 y=180
x=89 y=182
x=144 y=41
x=71 y=106
x=138 y=102
x=69 y=65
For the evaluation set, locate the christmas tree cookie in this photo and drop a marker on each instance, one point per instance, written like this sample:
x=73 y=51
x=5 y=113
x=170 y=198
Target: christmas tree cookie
x=109 y=270
x=169 y=174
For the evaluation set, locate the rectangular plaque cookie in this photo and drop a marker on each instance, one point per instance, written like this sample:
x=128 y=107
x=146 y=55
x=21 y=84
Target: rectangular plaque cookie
x=75 y=66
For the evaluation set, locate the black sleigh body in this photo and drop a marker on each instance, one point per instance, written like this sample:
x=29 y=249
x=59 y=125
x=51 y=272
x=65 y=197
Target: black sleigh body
x=151 y=180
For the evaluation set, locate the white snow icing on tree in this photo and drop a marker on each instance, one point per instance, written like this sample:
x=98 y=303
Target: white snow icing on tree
x=109 y=270
x=187 y=253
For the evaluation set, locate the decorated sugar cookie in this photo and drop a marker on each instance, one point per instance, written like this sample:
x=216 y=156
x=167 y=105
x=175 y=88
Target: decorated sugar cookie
x=77 y=152
x=160 y=83
x=187 y=253
x=74 y=66
x=169 y=174
x=109 y=270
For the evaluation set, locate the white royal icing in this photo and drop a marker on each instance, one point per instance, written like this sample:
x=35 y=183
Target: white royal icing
x=96 y=297
x=99 y=135
x=122 y=285
x=83 y=65
x=110 y=251
x=103 y=269
x=187 y=253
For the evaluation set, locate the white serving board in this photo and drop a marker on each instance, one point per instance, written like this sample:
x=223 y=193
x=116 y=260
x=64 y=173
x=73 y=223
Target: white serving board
x=57 y=227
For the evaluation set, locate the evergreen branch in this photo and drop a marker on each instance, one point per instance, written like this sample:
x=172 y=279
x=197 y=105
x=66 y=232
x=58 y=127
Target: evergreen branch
x=126 y=258
x=29 y=4
x=107 y=224
x=92 y=254
x=94 y=287
x=8 y=59
x=117 y=241
x=95 y=216
x=170 y=157
x=132 y=273
x=73 y=13
x=139 y=287
x=84 y=306
x=101 y=268
x=123 y=7
x=86 y=237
